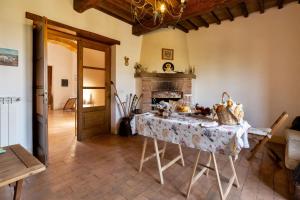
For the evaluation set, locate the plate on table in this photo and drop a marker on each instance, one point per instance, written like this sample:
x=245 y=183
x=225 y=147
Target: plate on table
x=184 y=113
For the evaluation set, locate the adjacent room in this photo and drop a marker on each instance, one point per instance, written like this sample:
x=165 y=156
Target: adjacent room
x=149 y=99
x=62 y=90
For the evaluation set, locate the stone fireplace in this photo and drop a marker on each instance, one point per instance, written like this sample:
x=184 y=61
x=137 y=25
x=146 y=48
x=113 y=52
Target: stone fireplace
x=162 y=86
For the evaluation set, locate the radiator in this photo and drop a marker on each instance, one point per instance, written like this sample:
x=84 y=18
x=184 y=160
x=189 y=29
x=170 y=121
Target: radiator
x=9 y=108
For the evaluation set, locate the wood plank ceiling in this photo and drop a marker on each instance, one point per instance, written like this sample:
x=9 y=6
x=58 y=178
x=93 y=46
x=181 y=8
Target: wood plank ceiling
x=197 y=14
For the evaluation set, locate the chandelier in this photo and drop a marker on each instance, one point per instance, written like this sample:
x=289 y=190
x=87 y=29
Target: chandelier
x=144 y=10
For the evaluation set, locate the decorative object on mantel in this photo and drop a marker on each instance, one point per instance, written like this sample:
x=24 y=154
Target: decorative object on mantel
x=126 y=61
x=191 y=69
x=229 y=112
x=157 y=9
x=128 y=108
x=167 y=54
x=168 y=67
x=139 y=68
x=9 y=57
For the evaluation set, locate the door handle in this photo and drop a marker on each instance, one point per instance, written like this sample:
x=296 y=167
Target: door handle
x=43 y=94
x=45 y=97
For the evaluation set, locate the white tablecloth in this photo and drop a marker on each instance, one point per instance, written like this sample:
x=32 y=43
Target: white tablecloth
x=200 y=133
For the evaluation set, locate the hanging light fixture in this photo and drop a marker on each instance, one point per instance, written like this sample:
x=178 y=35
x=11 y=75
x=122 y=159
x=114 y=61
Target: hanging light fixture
x=143 y=10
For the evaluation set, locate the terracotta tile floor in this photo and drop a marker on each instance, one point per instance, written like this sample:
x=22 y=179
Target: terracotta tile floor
x=106 y=168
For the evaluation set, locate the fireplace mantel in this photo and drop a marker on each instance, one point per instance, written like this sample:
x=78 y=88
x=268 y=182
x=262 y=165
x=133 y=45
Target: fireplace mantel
x=164 y=75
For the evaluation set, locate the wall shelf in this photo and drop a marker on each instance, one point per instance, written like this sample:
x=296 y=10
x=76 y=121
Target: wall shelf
x=164 y=75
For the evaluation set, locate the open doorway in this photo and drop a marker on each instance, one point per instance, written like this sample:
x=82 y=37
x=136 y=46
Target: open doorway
x=62 y=89
x=93 y=62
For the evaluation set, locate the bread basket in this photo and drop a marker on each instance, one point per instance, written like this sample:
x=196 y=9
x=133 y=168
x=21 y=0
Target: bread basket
x=228 y=112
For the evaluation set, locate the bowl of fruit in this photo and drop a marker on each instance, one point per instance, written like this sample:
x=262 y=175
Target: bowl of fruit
x=205 y=111
x=183 y=109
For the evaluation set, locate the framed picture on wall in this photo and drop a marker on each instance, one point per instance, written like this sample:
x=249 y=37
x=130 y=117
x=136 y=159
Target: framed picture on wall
x=167 y=54
x=9 y=57
x=64 y=82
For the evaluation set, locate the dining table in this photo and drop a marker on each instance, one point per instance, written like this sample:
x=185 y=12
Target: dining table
x=197 y=132
x=16 y=164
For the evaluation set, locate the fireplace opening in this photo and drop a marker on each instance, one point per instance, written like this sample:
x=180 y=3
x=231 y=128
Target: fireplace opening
x=158 y=96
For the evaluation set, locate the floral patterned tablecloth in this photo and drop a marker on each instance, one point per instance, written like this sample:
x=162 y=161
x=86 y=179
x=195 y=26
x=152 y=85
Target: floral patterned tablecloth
x=200 y=133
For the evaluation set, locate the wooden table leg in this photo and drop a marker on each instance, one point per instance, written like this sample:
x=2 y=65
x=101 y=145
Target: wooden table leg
x=208 y=164
x=196 y=175
x=233 y=179
x=180 y=153
x=18 y=190
x=218 y=177
x=158 y=161
x=193 y=174
x=143 y=154
x=164 y=150
x=234 y=172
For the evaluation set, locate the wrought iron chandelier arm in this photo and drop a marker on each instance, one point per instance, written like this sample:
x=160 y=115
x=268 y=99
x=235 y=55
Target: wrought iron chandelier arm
x=158 y=9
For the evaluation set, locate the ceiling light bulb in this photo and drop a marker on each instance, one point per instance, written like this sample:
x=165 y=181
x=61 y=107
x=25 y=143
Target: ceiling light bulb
x=162 y=8
x=182 y=1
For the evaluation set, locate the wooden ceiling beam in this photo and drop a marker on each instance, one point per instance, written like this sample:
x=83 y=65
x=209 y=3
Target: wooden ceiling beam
x=182 y=28
x=59 y=34
x=244 y=9
x=83 y=5
x=121 y=9
x=218 y=21
x=261 y=5
x=71 y=45
x=229 y=13
x=190 y=22
x=115 y=11
x=280 y=4
x=203 y=21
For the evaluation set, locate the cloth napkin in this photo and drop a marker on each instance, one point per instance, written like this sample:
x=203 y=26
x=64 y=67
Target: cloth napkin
x=208 y=124
x=243 y=141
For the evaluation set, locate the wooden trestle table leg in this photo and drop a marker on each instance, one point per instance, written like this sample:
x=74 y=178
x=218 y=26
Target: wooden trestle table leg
x=143 y=154
x=156 y=155
x=158 y=161
x=195 y=176
x=18 y=190
x=231 y=180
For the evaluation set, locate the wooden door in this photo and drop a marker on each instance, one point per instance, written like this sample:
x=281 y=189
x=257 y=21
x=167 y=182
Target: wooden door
x=93 y=89
x=50 y=95
x=40 y=91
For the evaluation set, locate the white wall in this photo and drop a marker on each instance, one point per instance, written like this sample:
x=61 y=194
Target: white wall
x=16 y=33
x=164 y=38
x=64 y=65
x=255 y=59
